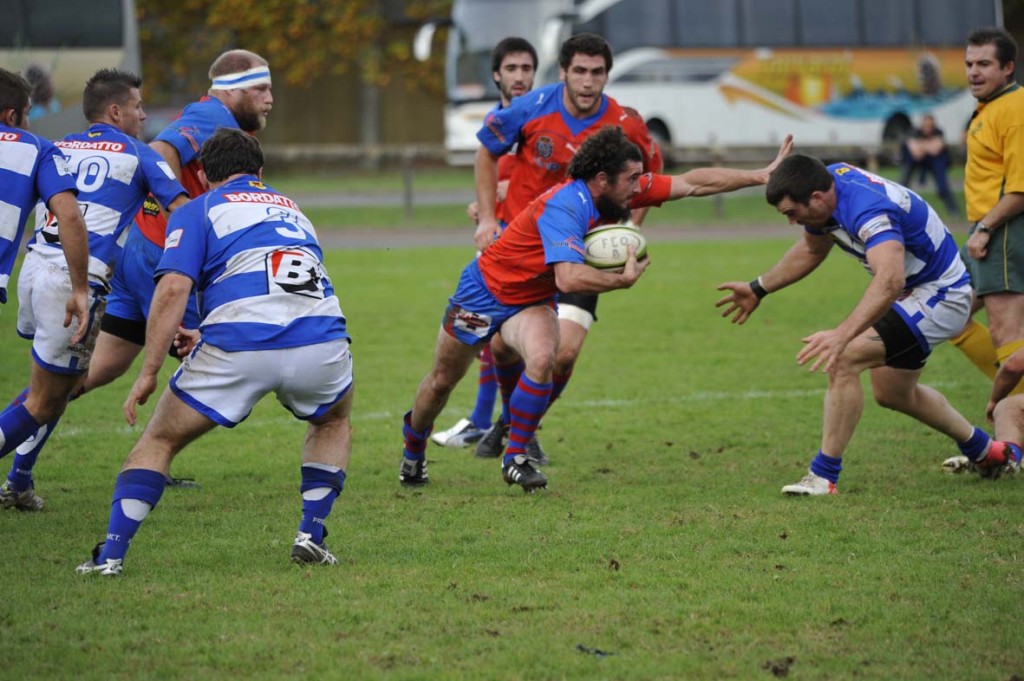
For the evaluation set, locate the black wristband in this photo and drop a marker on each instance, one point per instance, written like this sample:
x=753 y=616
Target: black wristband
x=758 y=289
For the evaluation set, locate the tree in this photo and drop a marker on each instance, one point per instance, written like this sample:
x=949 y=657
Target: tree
x=302 y=39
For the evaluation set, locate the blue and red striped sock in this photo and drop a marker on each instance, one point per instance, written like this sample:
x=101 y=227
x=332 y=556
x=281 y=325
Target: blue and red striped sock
x=486 y=392
x=508 y=378
x=528 y=403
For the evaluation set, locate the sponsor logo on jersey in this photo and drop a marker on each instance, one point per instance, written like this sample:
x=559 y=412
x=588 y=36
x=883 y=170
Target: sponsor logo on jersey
x=573 y=244
x=298 y=271
x=544 y=147
x=150 y=206
x=95 y=134
x=9 y=136
x=190 y=134
x=91 y=146
x=173 y=239
x=261 y=197
x=495 y=130
x=257 y=184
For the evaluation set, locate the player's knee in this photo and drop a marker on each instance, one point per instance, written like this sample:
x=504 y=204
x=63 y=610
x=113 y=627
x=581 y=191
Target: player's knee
x=541 y=364
x=888 y=399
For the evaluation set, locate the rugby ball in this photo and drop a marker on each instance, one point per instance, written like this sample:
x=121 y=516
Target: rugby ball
x=605 y=247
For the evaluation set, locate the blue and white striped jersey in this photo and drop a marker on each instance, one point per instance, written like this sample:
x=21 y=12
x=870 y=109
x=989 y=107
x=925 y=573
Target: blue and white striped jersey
x=31 y=169
x=871 y=209
x=113 y=172
x=257 y=267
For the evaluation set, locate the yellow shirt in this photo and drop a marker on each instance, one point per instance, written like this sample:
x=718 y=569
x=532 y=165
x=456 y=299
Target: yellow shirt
x=995 y=151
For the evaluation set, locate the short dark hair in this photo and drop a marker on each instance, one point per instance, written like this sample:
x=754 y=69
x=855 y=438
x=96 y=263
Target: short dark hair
x=798 y=176
x=607 y=151
x=14 y=94
x=106 y=87
x=230 y=151
x=590 y=44
x=508 y=46
x=1006 y=46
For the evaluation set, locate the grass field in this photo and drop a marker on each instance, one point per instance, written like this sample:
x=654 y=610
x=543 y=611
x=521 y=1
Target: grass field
x=738 y=208
x=661 y=550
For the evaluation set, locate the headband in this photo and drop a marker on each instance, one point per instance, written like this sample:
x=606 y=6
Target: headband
x=259 y=75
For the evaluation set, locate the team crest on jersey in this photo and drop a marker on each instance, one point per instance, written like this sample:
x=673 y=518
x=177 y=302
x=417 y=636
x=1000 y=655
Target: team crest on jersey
x=296 y=270
x=545 y=147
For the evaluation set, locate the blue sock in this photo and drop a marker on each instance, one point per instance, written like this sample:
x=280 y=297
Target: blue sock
x=828 y=467
x=321 y=485
x=415 y=442
x=976 y=446
x=486 y=392
x=527 y=406
x=25 y=456
x=136 y=493
x=16 y=424
x=508 y=378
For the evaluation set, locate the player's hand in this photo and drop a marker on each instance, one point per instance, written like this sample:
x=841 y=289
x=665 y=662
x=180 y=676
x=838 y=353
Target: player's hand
x=977 y=245
x=186 y=340
x=144 y=386
x=487 y=232
x=739 y=304
x=785 y=150
x=473 y=211
x=633 y=267
x=824 y=347
x=77 y=308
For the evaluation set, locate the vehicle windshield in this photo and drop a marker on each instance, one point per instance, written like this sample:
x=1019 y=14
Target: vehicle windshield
x=479 y=25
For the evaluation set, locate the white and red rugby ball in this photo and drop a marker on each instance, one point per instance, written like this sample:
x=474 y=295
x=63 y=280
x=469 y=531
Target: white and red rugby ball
x=605 y=247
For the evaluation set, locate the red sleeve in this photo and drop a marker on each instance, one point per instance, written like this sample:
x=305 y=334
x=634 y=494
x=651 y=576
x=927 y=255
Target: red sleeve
x=654 y=191
x=505 y=165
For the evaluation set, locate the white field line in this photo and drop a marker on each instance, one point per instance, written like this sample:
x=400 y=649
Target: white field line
x=357 y=416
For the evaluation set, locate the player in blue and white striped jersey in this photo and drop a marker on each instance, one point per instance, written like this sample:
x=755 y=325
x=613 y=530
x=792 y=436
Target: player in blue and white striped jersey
x=270 y=323
x=919 y=296
x=32 y=169
x=113 y=172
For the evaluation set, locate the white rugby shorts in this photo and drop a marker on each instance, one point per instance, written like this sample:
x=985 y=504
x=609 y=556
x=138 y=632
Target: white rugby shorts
x=936 y=314
x=225 y=386
x=44 y=287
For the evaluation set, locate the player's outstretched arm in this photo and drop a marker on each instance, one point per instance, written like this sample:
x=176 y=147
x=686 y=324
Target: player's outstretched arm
x=887 y=284
x=165 y=314
x=709 y=181
x=801 y=259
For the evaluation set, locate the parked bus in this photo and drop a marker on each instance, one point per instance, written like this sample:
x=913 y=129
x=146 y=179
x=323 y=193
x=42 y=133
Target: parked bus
x=737 y=73
x=61 y=43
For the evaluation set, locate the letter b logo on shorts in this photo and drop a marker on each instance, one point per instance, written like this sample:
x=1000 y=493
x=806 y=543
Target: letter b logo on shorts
x=296 y=270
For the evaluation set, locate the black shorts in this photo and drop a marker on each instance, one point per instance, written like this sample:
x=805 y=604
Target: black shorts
x=902 y=350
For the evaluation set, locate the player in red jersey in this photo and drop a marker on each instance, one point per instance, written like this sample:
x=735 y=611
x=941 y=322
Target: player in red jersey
x=549 y=125
x=513 y=66
x=511 y=287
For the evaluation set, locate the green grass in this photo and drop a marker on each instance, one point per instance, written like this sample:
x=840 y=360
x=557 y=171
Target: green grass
x=740 y=208
x=662 y=539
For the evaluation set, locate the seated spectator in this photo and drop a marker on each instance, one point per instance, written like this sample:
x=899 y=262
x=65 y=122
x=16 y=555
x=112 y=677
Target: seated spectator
x=925 y=151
